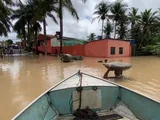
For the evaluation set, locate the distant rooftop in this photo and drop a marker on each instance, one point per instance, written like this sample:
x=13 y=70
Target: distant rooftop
x=65 y=38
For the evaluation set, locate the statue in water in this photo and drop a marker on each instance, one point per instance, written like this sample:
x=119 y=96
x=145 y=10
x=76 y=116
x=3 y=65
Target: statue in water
x=117 y=67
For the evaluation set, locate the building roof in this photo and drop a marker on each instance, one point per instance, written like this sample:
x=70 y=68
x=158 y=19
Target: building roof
x=67 y=41
x=109 y=39
x=41 y=36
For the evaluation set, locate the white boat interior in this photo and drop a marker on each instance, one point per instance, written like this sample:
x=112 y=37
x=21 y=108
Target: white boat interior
x=85 y=97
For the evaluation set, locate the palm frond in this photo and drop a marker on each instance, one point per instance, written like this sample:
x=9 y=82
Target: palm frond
x=68 y=5
x=53 y=17
x=3 y=30
x=95 y=18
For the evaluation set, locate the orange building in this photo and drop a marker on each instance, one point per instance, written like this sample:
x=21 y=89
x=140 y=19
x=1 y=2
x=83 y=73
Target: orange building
x=41 y=42
x=98 y=48
x=108 y=48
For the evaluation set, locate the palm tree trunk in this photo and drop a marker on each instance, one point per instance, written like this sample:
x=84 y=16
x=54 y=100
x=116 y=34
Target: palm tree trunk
x=121 y=31
x=142 y=39
x=132 y=33
x=24 y=36
x=115 y=29
x=35 y=37
x=28 y=36
x=45 y=38
x=102 y=27
x=61 y=26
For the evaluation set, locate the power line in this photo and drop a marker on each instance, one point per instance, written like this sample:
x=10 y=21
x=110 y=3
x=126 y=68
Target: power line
x=87 y=17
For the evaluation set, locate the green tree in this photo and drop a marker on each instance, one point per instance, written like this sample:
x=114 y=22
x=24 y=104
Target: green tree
x=108 y=28
x=5 y=13
x=46 y=8
x=9 y=42
x=68 y=5
x=122 y=25
x=91 y=37
x=102 y=10
x=133 y=17
x=35 y=29
x=20 y=25
x=147 y=20
x=42 y=10
x=155 y=49
x=117 y=10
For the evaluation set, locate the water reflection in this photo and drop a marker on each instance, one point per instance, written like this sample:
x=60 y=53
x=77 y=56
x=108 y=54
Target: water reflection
x=24 y=78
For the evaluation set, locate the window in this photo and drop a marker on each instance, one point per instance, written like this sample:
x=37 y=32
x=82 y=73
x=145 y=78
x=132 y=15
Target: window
x=112 y=50
x=120 y=50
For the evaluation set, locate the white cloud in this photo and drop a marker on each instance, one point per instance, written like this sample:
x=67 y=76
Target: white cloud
x=81 y=29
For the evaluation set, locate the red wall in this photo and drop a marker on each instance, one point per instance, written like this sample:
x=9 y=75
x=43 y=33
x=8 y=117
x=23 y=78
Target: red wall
x=49 y=48
x=42 y=37
x=73 y=50
x=119 y=43
x=96 y=48
x=101 y=48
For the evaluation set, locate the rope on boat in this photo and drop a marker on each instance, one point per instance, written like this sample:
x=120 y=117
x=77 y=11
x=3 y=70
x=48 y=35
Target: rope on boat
x=71 y=103
x=80 y=89
x=86 y=113
x=49 y=105
x=117 y=100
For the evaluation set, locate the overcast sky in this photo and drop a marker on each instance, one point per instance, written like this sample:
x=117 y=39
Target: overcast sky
x=84 y=27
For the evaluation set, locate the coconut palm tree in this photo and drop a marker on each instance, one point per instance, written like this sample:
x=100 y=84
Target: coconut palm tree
x=147 y=21
x=46 y=8
x=68 y=5
x=63 y=4
x=102 y=10
x=108 y=28
x=35 y=29
x=19 y=27
x=42 y=10
x=5 y=13
x=23 y=17
x=91 y=37
x=122 y=25
x=117 y=9
x=133 y=17
x=27 y=16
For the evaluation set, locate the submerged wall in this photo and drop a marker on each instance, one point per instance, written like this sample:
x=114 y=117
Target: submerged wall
x=49 y=48
x=74 y=50
x=117 y=44
x=96 y=48
x=107 y=48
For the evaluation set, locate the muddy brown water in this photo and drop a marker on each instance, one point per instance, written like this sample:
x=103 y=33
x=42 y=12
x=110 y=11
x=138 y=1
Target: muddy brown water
x=23 y=78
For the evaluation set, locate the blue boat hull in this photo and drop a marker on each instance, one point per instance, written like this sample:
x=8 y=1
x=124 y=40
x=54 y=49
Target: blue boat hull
x=61 y=100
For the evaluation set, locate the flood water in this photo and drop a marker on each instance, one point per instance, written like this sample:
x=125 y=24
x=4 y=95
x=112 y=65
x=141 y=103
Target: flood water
x=24 y=78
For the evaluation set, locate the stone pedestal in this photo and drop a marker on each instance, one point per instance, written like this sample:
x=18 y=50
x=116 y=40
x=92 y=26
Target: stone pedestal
x=117 y=67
